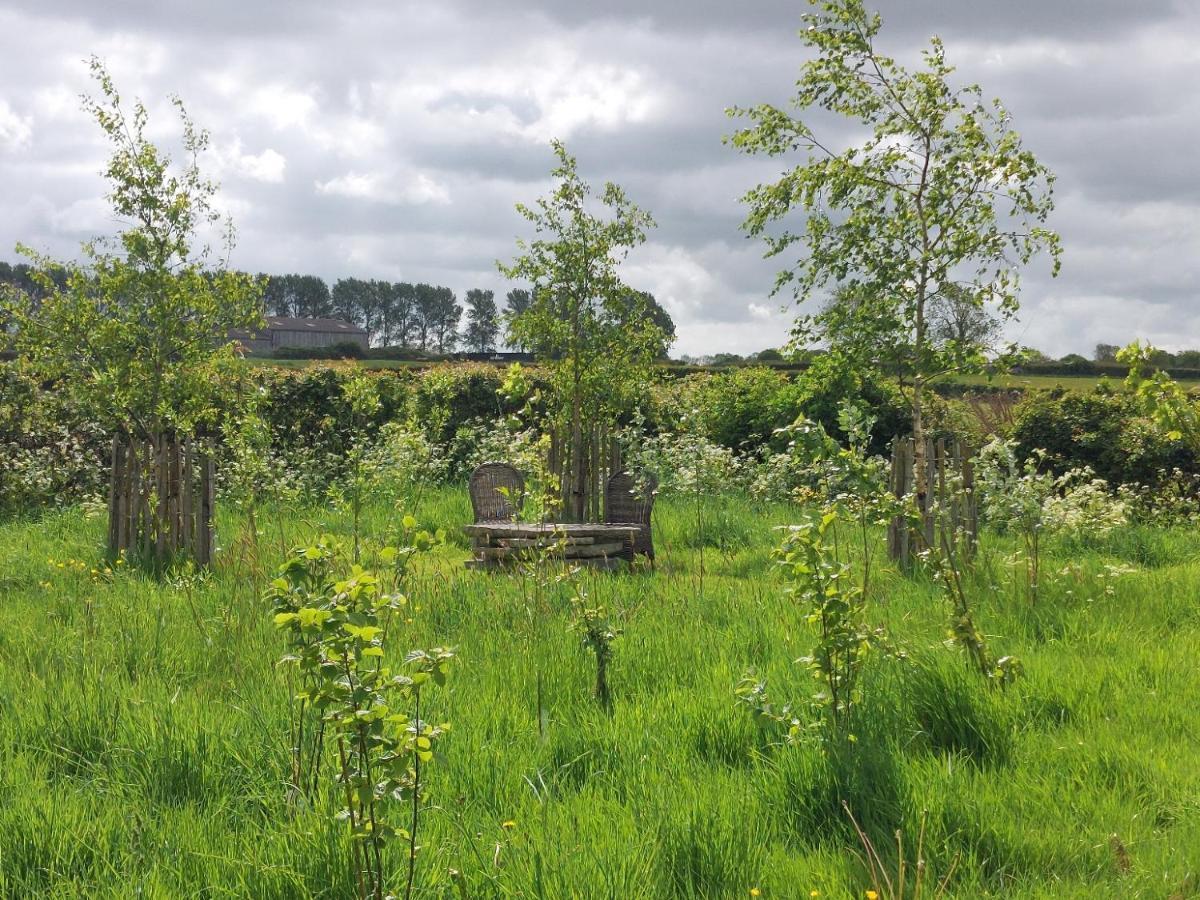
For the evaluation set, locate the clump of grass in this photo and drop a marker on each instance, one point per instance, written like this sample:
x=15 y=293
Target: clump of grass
x=955 y=714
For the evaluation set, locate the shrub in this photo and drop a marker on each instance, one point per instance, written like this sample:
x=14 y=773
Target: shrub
x=54 y=452
x=743 y=408
x=448 y=397
x=828 y=385
x=1102 y=431
x=1032 y=503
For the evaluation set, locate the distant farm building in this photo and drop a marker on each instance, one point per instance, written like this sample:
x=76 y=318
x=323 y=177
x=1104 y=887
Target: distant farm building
x=285 y=331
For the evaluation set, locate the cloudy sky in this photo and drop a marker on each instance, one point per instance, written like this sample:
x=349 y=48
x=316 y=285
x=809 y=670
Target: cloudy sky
x=391 y=140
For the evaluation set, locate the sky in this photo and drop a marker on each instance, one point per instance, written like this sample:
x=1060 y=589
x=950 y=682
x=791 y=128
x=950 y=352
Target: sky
x=392 y=139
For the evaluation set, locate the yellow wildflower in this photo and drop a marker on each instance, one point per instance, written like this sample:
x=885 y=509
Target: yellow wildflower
x=871 y=895
x=755 y=892
x=508 y=824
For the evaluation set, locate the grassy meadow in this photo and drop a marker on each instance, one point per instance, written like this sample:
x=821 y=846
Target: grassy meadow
x=144 y=735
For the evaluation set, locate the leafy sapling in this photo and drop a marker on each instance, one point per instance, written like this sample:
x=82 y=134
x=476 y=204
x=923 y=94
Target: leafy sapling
x=337 y=627
x=597 y=633
x=363 y=398
x=1033 y=503
x=832 y=602
x=936 y=198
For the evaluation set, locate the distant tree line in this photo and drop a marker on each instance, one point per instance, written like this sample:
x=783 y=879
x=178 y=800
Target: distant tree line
x=423 y=316
x=409 y=316
x=1184 y=359
x=430 y=318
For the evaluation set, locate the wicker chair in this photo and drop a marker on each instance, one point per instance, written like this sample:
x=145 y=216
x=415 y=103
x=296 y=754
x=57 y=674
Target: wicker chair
x=487 y=501
x=628 y=503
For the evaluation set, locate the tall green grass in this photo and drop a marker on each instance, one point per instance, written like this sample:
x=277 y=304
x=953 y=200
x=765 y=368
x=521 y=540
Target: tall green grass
x=143 y=726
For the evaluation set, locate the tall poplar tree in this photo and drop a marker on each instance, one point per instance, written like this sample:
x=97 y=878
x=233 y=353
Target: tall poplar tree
x=483 y=321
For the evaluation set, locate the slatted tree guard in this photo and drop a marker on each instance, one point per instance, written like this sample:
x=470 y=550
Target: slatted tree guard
x=582 y=465
x=948 y=507
x=161 y=497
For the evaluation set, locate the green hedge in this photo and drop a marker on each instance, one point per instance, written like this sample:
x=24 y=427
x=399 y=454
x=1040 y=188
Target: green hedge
x=1102 y=429
x=741 y=408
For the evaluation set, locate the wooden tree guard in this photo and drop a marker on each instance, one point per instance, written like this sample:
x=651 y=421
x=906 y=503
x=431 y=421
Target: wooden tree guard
x=949 y=509
x=582 y=468
x=161 y=497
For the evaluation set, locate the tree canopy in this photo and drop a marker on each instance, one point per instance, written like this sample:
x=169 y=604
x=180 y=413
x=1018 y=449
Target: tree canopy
x=579 y=315
x=939 y=195
x=483 y=321
x=136 y=330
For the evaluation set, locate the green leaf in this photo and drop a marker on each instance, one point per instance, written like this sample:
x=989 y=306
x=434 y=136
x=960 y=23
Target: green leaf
x=362 y=632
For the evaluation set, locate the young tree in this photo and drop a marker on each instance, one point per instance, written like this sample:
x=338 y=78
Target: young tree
x=577 y=318
x=483 y=321
x=138 y=331
x=940 y=192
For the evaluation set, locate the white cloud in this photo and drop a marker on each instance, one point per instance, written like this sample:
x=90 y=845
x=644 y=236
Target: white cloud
x=414 y=190
x=281 y=106
x=267 y=166
x=352 y=184
x=16 y=131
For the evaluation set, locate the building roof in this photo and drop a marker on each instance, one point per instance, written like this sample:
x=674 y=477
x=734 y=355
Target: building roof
x=288 y=323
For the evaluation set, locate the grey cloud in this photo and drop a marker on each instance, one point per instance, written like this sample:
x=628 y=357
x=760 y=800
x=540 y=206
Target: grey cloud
x=466 y=96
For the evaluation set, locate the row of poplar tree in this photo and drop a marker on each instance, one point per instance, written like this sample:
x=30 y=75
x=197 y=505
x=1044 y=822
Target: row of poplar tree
x=426 y=316
x=418 y=316
x=396 y=314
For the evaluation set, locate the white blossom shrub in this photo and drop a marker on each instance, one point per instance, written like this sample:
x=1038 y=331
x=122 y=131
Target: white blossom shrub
x=1019 y=497
x=52 y=469
x=404 y=460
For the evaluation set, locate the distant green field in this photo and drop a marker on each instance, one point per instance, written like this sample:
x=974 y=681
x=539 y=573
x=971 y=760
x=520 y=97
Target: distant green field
x=1034 y=382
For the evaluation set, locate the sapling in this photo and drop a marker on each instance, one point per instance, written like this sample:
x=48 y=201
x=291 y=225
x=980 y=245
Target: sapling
x=247 y=472
x=687 y=463
x=862 y=486
x=963 y=632
x=597 y=634
x=403 y=463
x=834 y=605
x=337 y=628
x=363 y=398
x=946 y=566
x=535 y=567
